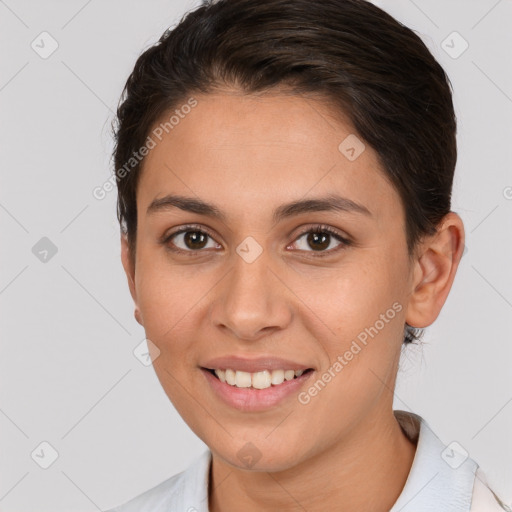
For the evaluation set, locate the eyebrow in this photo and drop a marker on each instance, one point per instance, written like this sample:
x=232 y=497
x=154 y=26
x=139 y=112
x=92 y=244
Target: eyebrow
x=321 y=204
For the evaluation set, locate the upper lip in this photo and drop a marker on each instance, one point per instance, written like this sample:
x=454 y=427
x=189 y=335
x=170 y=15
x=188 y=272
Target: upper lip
x=252 y=365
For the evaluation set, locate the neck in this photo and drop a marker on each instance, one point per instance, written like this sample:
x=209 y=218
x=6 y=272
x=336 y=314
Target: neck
x=366 y=470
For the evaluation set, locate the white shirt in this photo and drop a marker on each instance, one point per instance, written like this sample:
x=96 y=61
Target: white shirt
x=442 y=479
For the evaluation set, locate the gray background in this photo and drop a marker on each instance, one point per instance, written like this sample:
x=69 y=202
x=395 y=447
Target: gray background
x=68 y=373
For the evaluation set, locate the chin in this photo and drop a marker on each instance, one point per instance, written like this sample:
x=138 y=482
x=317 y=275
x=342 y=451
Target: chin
x=251 y=458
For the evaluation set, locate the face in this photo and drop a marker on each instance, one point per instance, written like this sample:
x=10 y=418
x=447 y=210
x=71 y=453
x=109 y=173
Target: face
x=252 y=284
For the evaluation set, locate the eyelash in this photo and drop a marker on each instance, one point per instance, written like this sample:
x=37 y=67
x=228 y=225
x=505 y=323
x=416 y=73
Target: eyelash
x=320 y=228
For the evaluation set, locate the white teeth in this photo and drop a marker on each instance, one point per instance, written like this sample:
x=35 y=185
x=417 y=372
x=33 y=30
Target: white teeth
x=289 y=374
x=243 y=379
x=258 y=380
x=231 y=377
x=221 y=374
x=261 y=380
x=277 y=377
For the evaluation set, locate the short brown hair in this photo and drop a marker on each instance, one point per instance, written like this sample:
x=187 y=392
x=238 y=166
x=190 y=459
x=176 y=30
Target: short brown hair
x=351 y=53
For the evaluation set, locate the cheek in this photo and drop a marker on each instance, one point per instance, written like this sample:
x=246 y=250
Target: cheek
x=364 y=308
x=356 y=294
x=367 y=318
x=168 y=297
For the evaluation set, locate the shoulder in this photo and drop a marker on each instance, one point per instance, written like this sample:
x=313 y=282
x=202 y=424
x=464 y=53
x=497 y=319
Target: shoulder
x=484 y=499
x=154 y=499
x=442 y=477
x=184 y=491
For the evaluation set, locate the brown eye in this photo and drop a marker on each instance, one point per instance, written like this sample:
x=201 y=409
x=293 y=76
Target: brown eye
x=189 y=240
x=318 y=240
x=195 y=239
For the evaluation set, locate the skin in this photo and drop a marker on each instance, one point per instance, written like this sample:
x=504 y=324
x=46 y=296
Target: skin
x=344 y=450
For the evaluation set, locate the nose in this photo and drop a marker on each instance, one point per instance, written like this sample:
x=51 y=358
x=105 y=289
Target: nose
x=252 y=300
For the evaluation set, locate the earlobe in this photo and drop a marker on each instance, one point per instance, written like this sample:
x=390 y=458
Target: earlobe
x=138 y=316
x=434 y=272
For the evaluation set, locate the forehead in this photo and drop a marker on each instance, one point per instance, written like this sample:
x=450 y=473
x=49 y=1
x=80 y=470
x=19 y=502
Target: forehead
x=244 y=151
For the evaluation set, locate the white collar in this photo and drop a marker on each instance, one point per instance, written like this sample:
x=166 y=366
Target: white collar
x=440 y=475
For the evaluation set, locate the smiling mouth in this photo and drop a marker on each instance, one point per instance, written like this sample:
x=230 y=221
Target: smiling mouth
x=257 y=380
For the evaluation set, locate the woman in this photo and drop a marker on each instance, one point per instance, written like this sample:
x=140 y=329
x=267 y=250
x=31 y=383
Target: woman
x=284 y=198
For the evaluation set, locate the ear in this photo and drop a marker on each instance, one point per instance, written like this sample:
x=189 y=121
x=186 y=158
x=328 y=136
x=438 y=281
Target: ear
x=129 y=269
x=437 y=260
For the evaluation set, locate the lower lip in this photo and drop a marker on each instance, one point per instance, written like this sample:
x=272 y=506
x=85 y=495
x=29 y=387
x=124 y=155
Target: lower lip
x=255 y=400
